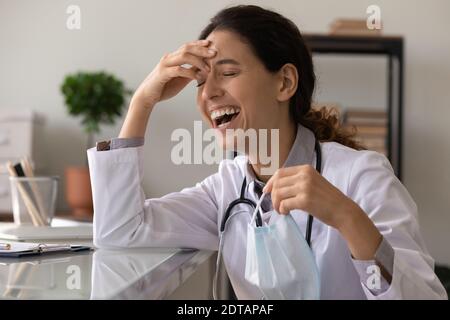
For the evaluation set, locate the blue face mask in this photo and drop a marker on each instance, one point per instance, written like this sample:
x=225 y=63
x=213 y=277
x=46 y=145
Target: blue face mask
x=279 y=261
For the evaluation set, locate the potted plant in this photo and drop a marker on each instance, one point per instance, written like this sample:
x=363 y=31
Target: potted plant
x=97 y=97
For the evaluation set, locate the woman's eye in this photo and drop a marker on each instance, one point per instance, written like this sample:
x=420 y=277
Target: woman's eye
x=225 y=74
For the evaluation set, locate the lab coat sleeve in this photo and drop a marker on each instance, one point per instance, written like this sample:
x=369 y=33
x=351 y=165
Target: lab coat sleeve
x=376 y=189
x=123 y=217
x=118 y=143
x=384 y=257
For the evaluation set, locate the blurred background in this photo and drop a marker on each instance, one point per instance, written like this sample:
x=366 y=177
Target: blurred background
x=38 y=49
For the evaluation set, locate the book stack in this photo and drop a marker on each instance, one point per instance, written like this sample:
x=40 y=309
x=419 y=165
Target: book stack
x=371 y=127
x=353 y=27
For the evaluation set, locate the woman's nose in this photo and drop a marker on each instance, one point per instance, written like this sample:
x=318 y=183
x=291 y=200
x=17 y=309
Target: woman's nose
x=211 y=89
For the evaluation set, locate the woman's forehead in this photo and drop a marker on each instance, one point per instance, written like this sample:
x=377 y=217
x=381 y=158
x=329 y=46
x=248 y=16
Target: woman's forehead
x=229 y=45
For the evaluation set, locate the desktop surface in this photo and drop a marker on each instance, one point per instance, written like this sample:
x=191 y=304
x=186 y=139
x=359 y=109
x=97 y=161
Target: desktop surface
x=100 y=274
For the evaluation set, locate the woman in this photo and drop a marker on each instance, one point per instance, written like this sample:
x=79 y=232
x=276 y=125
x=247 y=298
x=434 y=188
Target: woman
x=255 y=72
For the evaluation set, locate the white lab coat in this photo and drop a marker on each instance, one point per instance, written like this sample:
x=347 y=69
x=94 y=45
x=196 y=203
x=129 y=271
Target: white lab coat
x=123 y=217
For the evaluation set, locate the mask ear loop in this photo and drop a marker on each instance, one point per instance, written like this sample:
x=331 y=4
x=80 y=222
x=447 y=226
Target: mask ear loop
x=258 y=208
x=219 y=253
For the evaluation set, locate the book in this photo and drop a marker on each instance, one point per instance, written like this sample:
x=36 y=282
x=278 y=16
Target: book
x=367 y=122
x=357 y=32
x=365 y=113
x=370 y=127
x=372 y=143
x=349 y=23
x=352 y=27
x=20 y=249
x=366 y=117
x=367 y=130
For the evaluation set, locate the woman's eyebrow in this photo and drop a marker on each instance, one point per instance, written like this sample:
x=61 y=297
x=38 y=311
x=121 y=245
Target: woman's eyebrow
x=227 y=61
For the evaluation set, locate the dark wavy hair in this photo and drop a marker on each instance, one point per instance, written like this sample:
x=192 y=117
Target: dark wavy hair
x=276 y=40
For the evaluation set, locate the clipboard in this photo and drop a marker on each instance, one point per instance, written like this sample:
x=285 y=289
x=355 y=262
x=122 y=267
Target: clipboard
x=21 y=249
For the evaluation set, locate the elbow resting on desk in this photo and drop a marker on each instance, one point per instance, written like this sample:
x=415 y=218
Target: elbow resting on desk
x=118 y=198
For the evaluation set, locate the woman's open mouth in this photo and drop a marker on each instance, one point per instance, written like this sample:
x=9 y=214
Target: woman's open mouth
x=222 y=118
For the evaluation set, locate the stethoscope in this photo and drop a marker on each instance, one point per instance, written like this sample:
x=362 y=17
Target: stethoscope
x=243 y=200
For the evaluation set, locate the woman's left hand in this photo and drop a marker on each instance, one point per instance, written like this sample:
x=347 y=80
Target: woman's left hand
x=303 y=188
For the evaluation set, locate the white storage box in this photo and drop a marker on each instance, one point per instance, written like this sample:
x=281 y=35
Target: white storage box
x=20 y=136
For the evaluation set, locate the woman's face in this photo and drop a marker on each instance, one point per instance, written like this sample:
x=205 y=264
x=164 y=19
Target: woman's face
x=238 y=92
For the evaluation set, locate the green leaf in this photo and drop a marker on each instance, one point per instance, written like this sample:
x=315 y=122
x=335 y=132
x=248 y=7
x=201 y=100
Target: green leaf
x=98 y=97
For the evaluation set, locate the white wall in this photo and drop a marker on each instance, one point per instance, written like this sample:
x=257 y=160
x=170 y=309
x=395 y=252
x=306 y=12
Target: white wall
x=128 y=38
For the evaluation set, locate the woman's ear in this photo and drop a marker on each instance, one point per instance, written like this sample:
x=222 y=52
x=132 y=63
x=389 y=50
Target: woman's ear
x=288 y=82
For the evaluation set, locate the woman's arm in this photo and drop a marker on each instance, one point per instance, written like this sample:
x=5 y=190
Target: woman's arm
x=390 y=207
x=136 y=121
x=376 y=203
x=360 y=233
x=122 y=215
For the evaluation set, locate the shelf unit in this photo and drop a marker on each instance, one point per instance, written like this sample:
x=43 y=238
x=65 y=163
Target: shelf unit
x=390 y=46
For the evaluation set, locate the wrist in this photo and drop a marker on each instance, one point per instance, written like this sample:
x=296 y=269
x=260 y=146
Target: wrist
x=137 y=104
x=347 y=215
x=360 y=233
x=135 y=123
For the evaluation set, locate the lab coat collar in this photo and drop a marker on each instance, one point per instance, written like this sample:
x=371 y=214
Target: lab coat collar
x=302 y=152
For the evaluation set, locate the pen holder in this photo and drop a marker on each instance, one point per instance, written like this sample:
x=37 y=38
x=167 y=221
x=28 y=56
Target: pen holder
x=34 y=199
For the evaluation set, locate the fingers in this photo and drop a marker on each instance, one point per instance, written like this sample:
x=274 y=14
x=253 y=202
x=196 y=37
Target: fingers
x=286 y=181
x=179 y=71
x=287 y=205
x=289 y=199
x=186 y=58
x=275 y=180
x=190 y=53
x=200 y=48
x=299 y=172
x=287 y=184
x=281 y=194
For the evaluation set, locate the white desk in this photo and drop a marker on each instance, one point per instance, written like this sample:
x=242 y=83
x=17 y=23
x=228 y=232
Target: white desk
x=100 y=274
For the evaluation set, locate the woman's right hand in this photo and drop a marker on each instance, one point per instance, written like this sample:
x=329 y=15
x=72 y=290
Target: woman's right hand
x=168 y=78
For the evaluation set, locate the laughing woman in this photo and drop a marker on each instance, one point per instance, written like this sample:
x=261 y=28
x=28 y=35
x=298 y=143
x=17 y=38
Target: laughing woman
x=254 y=71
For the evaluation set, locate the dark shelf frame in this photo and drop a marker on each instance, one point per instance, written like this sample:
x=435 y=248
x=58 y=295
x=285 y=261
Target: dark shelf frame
x=392 y=47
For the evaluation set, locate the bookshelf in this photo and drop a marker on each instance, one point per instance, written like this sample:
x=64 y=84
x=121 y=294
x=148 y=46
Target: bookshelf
x=392 y=48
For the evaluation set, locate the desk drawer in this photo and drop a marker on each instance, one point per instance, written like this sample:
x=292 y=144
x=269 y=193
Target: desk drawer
x=16 y=139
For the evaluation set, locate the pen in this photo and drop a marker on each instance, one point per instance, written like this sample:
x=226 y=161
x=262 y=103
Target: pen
x=5 y=246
